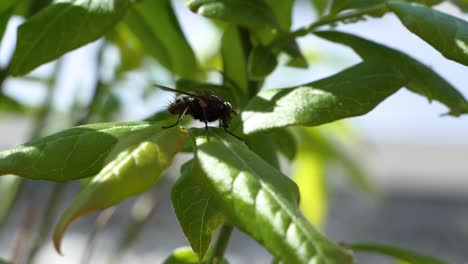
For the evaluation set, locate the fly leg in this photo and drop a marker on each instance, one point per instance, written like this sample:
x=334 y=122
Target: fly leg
x=181 y=117
x=206 y=122
x=225 y=126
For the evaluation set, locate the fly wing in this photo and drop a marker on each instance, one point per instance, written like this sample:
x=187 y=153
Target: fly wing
x=165 y=88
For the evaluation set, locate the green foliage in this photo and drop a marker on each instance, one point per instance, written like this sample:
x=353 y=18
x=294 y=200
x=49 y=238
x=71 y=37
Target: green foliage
x=134 y=165
x=421 y=79
x=62 y=27
x=195 y=208
x=446 y=33
x=399 y=253
x=155 y=25
x=261 y=201
x=228 y=182
x=323 y=101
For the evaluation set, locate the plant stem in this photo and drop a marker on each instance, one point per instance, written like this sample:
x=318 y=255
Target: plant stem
x=326 y=20
x=221 y=244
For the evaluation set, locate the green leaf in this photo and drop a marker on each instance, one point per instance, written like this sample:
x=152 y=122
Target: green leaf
x=62 y=27
x=195 y=209
x=352 y=92
x=75 y=153
x=234 y=58
x=7 y=4
x=263 y=145
x=422 y=79
x=282 y=11
x=261 y=201
x=285 y=143
x=254 y=14
x=261 y=63
x=320 y=6
x=400 y=253
x=185 y=255
x=4 y=18
x=309 y=175
x=447 y=34
x=134 y=166
x=155 y=25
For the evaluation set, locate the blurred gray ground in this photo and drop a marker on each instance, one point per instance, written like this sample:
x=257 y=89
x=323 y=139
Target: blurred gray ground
x=424 y=206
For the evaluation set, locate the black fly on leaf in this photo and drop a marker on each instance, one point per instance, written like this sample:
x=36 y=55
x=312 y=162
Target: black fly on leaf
x=206 y=107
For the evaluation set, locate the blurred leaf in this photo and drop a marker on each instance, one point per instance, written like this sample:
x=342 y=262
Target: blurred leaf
x=7 y=4
x=282 y=10
x=10 y=105
x=323 y=145
x=75 y=153
x=2 y=261
x=261 y=63
x=261 y=201
x=320 y=6
x=309 y=175
x=9 y=186
x=400 y=253
x=134 y=166
x=254 y=14
x=422 y=79
x=4 y=18
x=195 y=209
x=285 y=143
x=185 y=255
x=108 y=105
x=234 y=58
x=461 y=4
x=62 y=27
x=131 y=56
x=447 y=34
x=156 y=26
x=352 y=92
x=263 y=145
x=340 y=5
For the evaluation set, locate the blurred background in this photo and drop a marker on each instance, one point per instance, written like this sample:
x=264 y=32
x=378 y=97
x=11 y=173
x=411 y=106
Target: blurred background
x=416 y=157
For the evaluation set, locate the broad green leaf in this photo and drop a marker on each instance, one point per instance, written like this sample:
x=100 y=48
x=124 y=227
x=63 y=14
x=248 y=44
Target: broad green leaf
x=352 y=92
x=254 y=14
x=75 y=153
x=62 y=27
x=447 y=34
x=309 y=175
x=185 y=255
x=400 y=253
x=234 y=58
x=261 y=201
x=156 y=26
x=263 y=145
x=261 y=63
x=379 y=5
x=195 y=209
x=422 y=79
x=134 y=166
x=285 y=143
